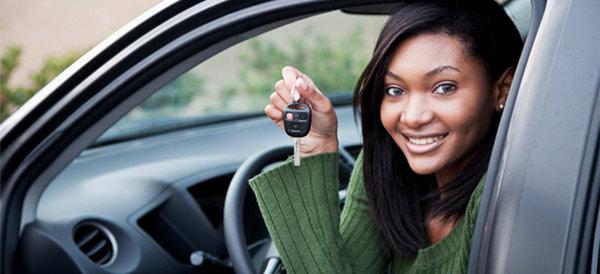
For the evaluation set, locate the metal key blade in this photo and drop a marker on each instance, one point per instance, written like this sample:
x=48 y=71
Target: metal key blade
x=294 y=93
x=296 y=151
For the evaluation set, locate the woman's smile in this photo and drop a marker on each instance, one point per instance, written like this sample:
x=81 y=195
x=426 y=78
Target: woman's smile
x=423 y=144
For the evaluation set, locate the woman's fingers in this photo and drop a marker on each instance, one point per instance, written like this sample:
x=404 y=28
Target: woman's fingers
x=305 y=87
x=274 y=114
x=323 y=135
x=313 y=96
x=277 y=101
x=290 y=74
x=283 y=92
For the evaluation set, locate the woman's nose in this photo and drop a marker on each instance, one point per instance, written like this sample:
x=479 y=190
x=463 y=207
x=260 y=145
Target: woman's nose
x=416 y=113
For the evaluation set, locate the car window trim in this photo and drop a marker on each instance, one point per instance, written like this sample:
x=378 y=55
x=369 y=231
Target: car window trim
x=481 y=240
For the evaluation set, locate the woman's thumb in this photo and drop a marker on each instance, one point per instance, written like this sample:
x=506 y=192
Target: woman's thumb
x=309 y=93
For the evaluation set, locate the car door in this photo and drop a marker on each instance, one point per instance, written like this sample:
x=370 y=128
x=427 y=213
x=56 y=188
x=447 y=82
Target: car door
x=47 y=133
x=539 y=214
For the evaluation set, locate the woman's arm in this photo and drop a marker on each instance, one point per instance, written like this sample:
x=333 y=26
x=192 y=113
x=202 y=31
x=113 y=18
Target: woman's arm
x=300 y=206
x=357 y=228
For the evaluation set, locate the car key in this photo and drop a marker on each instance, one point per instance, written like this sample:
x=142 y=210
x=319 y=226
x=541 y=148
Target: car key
x=296 y=122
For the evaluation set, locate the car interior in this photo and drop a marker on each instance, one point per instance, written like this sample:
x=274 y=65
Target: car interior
x=148 y=196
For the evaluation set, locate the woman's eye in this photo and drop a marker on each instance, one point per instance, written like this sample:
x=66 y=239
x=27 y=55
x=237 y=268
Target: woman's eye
x=444 y=88
x=394 y=91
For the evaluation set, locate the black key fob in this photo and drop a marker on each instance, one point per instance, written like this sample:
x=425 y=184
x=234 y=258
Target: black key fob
x=296 y=119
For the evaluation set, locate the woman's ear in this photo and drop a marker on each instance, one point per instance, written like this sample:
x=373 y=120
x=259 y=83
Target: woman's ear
x=501 y=88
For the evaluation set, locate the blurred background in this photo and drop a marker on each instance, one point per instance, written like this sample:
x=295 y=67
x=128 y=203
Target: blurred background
x=39 y=38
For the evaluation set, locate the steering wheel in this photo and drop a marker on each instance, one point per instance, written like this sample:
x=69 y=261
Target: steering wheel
x=233 y=220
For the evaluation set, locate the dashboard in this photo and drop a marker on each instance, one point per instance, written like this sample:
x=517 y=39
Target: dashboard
x=145 y=205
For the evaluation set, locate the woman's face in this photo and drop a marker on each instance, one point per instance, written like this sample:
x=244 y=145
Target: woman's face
x=437 y=104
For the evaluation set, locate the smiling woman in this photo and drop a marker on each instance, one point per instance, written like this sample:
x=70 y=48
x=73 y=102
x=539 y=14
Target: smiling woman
x=149 y=203
x=439 y=114
x=441 y=107
x=429 y=100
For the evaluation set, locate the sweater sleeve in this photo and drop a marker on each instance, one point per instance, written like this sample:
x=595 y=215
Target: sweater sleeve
x=301 y=209
x=473 y=209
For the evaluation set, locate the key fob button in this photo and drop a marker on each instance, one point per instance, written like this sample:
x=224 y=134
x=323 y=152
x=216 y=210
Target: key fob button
x=297 y=119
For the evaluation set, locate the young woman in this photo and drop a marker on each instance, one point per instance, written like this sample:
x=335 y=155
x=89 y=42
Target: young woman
x=429 y=101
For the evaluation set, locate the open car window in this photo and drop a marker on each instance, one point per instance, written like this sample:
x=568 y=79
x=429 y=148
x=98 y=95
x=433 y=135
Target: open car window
x=332 y=48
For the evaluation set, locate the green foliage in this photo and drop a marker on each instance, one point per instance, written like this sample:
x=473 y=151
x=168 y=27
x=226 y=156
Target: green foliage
x=177 y=94
x=334 y=67
x=51 y=67
x=333 y=63
x=12 y=97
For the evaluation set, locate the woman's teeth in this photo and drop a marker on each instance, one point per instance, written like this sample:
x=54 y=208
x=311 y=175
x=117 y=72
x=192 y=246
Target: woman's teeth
x=425 y=141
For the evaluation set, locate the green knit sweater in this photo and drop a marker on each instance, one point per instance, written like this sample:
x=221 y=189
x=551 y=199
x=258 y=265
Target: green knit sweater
x=300 y=206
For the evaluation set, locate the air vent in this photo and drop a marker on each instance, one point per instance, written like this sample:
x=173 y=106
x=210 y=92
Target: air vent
x=95 y=241
x=210 y=196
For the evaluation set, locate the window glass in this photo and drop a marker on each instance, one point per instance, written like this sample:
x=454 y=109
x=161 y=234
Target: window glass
x=520 y=13
x=332 y=48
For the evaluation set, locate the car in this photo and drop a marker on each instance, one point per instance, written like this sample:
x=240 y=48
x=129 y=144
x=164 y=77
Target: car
x=119 y=166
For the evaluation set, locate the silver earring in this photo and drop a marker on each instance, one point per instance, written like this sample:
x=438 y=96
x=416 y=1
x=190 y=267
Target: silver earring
x=501 y=106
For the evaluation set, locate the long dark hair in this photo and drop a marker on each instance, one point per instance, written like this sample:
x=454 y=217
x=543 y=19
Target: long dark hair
x=399 y=199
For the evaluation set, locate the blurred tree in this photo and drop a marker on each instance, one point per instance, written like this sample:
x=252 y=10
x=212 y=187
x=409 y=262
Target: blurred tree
x=333 y=66
x=12 y=97
x=333 y=63
x=51 y=68
x=176 y=94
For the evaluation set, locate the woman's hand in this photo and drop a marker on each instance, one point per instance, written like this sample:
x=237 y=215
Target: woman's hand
x=322 y=137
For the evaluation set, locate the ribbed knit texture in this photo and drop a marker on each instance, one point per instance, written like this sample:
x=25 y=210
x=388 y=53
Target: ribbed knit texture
x=301 y=209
